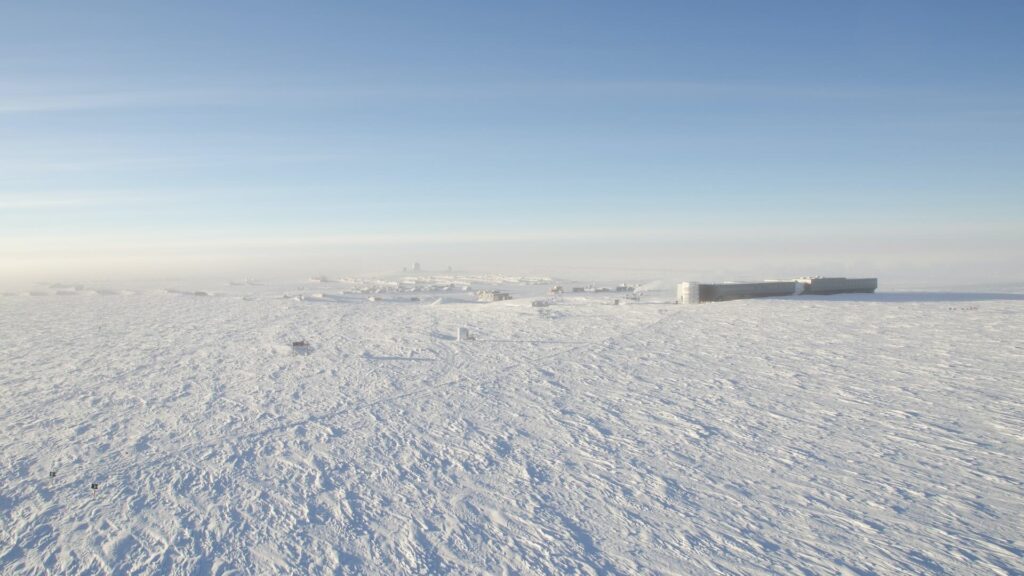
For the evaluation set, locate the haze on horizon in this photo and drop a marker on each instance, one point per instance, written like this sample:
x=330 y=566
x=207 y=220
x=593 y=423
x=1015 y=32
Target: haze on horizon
x=702 y=141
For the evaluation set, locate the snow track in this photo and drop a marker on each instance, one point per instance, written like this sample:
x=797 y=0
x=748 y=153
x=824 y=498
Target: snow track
x=781 y=436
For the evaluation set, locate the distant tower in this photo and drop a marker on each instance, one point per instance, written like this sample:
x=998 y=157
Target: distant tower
x=416 y=267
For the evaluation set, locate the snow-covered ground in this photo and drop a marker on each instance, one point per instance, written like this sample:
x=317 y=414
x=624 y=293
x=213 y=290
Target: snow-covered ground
x=862 y=435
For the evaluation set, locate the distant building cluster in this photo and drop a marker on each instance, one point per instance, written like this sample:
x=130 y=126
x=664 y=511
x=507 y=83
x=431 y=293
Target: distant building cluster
x=620 y=288
x=695 y=292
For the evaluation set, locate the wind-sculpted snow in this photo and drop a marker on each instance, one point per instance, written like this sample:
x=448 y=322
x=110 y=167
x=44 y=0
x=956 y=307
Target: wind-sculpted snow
x=857 y=436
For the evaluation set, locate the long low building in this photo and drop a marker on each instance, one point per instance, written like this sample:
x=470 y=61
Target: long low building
x=825 y=286
x=737 y=291
x=695 y=292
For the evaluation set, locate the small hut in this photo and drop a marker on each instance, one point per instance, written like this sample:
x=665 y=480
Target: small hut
x=493 y=296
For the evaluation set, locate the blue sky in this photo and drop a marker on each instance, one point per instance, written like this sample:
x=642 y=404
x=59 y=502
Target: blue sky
x=138 y=128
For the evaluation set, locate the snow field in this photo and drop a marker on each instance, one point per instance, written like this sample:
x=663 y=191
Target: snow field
x=749 y=437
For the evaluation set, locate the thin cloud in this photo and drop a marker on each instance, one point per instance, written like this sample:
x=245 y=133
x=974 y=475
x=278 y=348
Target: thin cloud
x=45 y=203
x=65 y=199
x=114 y=100
x=70 y=99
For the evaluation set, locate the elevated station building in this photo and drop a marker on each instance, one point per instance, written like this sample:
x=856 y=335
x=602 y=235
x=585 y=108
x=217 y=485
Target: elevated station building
x=695 y=292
